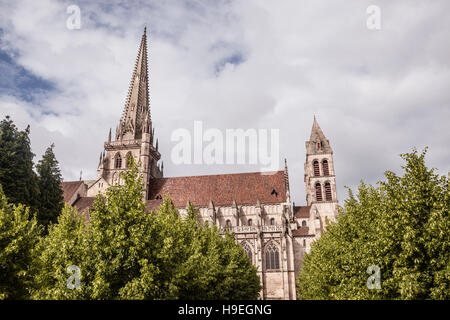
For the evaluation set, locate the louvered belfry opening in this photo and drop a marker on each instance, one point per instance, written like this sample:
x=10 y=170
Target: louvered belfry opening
x=316 y=168
x=318 y=192
x=326 y=172
x=328 y=195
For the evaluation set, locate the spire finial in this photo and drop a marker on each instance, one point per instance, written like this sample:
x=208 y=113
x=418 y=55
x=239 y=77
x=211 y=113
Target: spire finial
x=137 y=106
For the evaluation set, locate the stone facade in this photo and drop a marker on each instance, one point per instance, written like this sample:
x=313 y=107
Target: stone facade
x=256 y=207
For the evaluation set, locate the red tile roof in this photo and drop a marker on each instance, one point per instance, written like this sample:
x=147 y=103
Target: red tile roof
x=302 y=232
x=222 y=189
x=302 y=211
x=69 y=188
x=84 y=203
x=152 y=204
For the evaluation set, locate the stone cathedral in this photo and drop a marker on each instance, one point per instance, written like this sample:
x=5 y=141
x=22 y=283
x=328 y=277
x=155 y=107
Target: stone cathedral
x=256 y=207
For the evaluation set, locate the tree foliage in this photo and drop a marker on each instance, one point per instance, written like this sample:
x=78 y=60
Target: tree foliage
x=17 y=177
x=51 y=200
x=18 y=236
x=124 y=252
x=401 y=227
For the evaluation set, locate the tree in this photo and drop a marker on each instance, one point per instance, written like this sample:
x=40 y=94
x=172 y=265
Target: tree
x=17 y=177
x=51 y=200
x=124 y=252
x=18 y=235
x=398 y=230
x=64 y=246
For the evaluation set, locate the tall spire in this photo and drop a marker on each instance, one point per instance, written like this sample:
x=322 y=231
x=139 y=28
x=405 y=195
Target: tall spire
x=317 y=143
x=316 y=132
x=137 y=107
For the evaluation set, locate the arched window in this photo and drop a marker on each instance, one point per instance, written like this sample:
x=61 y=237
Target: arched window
x=127 y=159
x=328 y=195
x=118 y=161
x=228 y=224
x=318 y=192
x=249 y=222
x=272 y=257
x=304 y=223
x=304 y=242
x=319 y=145
x=325 y=170
x=272 y=221
x=316 y=168
x=114 y=178
x=247 y=250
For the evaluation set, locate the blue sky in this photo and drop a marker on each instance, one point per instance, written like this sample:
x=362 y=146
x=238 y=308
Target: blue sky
x=235 y=64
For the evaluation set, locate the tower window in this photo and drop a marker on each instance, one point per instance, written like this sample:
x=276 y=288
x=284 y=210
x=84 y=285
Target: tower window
x=118 y=161
x=272 y=257
x=228 y=224
x=316 y=168
x=328 y=195
x=272 y=221
x=318 y=145
x=304 y=242
x=249 y=222
x=318 y=192
x=326 y=172
x=303 y=223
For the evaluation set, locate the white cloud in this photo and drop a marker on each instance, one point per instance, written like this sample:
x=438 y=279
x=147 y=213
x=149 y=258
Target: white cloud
x=376 y=93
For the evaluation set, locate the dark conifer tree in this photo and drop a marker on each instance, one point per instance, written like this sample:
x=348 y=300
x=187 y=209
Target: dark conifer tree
x=17 y=177
x=51 y=200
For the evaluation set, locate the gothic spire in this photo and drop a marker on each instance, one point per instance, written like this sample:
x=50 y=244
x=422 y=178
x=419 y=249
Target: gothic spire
x=316 y=132
x=318 y=143
x=137 y=108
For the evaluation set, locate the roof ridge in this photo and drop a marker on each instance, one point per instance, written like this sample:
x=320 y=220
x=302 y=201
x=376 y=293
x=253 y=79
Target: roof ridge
x=263 y=173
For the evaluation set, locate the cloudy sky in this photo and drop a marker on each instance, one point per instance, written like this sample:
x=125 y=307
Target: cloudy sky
x=235 y=64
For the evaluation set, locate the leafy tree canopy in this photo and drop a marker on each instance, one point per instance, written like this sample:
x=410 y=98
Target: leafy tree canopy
x=401 y=228
x=18 y=236
x=124 y=252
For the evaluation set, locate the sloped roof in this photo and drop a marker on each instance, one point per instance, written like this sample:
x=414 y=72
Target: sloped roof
x=69 y=188
x=152 y=204
x=84 y=203
x=222 y=189
x=302 y=211
x=302 y=232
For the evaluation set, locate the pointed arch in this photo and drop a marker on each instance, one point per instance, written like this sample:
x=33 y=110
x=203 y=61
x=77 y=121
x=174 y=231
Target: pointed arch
x=248 y=250
x=318 y=192
x=118 y=161
x=272 y=256
x=115 y=178
x=249 y=222
x=126 y=159
x=316 y=168
x=328 y=194
x=325 y=169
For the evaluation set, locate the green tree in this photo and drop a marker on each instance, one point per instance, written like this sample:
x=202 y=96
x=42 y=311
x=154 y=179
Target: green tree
x=17 y=177
x=51 y=200
x=65 y=245
x=124 y=252
x=18 y=235
x=401 y=227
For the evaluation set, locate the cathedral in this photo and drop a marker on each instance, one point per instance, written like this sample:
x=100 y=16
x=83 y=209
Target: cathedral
x=255 y=206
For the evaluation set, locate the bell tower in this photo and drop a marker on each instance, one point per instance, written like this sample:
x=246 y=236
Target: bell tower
x=320 y=179
x=134 y=134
